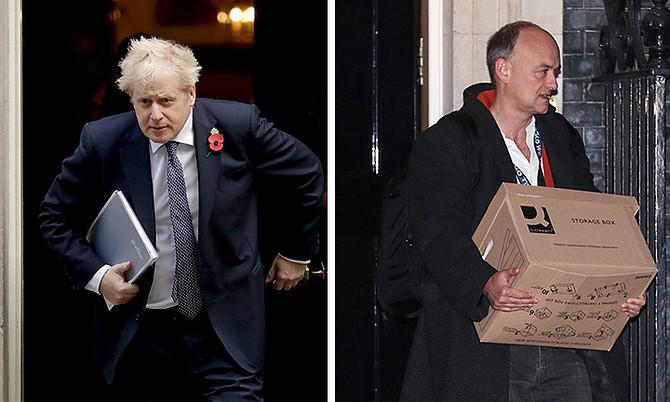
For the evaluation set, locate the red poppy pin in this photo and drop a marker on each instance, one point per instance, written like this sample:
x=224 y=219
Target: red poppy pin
x=215 y=141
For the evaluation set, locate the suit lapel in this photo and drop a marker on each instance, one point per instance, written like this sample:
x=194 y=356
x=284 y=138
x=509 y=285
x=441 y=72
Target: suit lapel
x=137 y=169
x=497 y=150
x=208 y=163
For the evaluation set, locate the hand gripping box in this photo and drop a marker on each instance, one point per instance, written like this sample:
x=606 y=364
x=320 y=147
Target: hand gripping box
x=581 y=254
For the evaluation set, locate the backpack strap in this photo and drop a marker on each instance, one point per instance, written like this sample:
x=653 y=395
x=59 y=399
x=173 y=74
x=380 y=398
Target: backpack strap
x=470 y=134
x=418 y=274
x=399 y=268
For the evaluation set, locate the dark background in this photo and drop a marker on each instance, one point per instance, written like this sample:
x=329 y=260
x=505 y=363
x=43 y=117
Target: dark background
x=284 y=73
x=377 y=96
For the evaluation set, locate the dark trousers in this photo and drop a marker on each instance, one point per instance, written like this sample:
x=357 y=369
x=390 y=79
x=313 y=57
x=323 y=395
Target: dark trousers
x=547 y=374
x=174 y=358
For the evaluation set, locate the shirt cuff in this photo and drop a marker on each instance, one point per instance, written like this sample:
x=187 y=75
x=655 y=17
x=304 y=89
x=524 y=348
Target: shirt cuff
x=296 y=261
x=94 y=284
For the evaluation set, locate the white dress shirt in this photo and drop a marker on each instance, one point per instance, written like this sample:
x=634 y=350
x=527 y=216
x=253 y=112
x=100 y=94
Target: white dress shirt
x=160 y=295
x=531 y=167
x=161 y=288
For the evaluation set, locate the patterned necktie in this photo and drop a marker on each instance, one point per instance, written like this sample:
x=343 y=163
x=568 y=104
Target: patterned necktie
x=186 y=288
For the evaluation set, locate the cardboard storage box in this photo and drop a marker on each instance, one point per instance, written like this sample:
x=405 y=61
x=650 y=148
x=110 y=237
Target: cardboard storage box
x=581 y=254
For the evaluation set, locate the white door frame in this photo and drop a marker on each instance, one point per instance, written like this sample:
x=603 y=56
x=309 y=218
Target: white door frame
x=11 y=209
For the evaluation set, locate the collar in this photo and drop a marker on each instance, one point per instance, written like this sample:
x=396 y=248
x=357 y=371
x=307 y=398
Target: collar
x=487 y=97
x=185 y=136
x=530 y=133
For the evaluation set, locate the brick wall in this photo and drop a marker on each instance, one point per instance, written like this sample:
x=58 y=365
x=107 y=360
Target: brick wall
x=583 y=101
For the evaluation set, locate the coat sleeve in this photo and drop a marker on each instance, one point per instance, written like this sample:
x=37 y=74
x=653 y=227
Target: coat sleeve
x=570 y=165
x=67 y=211
x=583 y=176
x=441 y=222
x=294 y=185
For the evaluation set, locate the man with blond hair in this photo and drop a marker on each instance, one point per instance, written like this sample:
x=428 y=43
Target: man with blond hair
x=192 y=327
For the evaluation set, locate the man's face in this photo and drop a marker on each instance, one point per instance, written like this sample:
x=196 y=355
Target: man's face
x=534 y=69
x=162 y=109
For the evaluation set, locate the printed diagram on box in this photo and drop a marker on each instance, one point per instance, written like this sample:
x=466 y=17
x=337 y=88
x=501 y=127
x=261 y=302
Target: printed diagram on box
x=528 y=330
x=542 y=313
x=562 y=332
x=580 y=315
x=563 y=311
x=567 y=330
x=610 y=315
x=563 y=288
x=614 y=289
x=603 y=332
x=574 y=316
x=571 y=311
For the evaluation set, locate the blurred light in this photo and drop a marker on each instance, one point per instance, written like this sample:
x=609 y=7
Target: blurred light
x=115 y=15
x=236 y=14
x=249 y=15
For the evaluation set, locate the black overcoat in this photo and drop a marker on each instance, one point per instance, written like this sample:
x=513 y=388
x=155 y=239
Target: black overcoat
x=447 y=360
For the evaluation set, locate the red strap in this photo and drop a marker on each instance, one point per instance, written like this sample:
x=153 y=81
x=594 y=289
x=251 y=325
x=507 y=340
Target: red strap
x=548 y=177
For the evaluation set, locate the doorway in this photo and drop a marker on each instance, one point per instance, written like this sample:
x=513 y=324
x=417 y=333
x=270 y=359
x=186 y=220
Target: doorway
x=377 y=105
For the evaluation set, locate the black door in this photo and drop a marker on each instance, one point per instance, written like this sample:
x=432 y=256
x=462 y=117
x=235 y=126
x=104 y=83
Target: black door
x=376 y=120
x=285 y=73
x=290 y=84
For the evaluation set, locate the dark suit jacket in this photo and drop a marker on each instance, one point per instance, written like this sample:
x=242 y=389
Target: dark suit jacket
x=447 y=361
x=114 y=154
